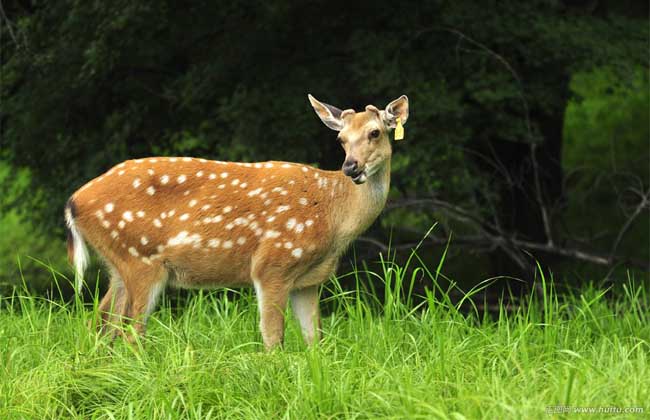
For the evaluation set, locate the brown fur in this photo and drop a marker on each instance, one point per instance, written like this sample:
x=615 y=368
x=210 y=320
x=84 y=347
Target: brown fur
x=189 y=222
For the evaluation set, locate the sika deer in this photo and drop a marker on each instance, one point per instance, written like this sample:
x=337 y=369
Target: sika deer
x=188 y=222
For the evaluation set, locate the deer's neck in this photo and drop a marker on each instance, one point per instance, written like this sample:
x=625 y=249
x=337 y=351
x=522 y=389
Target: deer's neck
x=361 y=204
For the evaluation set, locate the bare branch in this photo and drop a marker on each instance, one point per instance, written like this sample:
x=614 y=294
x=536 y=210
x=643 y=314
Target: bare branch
x=494 y=236
x=538 y=194
x=645 y=201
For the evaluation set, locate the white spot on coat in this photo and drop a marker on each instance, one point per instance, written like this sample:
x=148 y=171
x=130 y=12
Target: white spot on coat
x=136 y=183
x=128 y=216
x=109 y=207
x=192 y=203
x=181 y=179
x=164 y=179
x=183 y=238
x=254 y=192
x=184 y=217
x=133 y=251
x=297 y=252
x=157 y=223
x=151 y=190
x=144 y=240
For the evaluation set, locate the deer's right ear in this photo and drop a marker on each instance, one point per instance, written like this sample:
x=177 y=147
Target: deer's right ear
x=328 y=114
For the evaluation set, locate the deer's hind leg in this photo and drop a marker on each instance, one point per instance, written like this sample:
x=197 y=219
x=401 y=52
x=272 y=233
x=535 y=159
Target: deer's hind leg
x=112 y=307
x=143 y=286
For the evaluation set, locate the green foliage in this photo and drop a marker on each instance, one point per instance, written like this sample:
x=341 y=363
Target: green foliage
x=608 y=124
x=606 y=157
x=23 y=248
x=380 y=357
x=103 y=81
x=88 y=84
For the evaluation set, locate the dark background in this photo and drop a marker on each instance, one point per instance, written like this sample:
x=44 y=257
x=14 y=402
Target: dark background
x=528 y=138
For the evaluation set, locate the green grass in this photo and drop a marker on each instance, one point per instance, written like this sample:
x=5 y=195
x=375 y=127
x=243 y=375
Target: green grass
x=380 y=357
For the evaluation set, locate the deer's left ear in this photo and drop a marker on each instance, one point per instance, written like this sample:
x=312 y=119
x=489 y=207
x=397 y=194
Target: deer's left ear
x=397 y=108
x=329 y=115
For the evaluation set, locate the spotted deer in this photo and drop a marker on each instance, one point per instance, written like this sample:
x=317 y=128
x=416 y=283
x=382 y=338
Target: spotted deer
x=193 y=223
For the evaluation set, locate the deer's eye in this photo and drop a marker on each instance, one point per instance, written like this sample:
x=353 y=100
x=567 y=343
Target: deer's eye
x=374 y=134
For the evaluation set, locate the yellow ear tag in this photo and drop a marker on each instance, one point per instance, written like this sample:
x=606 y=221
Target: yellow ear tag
x=399 y=130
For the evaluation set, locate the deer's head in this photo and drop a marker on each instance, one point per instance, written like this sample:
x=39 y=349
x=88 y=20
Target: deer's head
x=363 y=135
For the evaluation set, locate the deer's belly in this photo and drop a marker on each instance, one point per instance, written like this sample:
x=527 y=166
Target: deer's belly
x=207 y=270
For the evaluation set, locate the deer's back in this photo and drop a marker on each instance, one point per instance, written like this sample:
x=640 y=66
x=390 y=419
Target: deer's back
x=209 y=222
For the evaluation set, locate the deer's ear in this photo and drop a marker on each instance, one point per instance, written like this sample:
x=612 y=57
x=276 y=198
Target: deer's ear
x=397 y=108
x=328 y=114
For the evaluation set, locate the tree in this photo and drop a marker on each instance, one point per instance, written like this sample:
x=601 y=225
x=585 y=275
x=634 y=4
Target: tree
x=85 y=85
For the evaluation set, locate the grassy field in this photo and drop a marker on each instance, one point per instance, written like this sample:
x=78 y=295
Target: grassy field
x=380 y=357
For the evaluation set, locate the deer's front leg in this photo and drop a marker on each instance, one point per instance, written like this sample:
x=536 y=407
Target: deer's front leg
x=304 y=303
x=272 y=302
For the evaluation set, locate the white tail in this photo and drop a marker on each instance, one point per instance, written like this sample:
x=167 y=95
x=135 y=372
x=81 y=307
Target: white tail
x=280 y=227
x=77 y=251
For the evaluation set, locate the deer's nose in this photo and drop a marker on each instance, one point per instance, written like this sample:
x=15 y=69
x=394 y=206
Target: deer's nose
x=350 y=167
